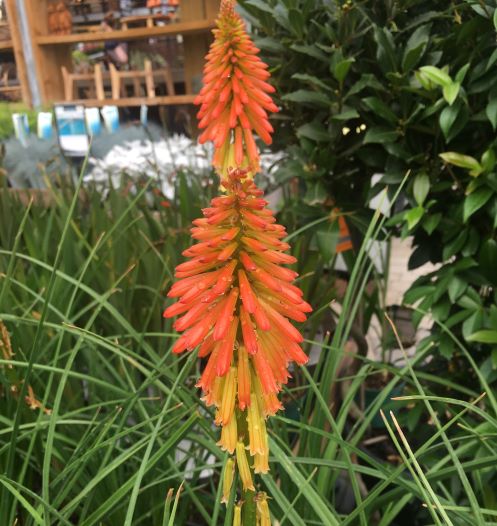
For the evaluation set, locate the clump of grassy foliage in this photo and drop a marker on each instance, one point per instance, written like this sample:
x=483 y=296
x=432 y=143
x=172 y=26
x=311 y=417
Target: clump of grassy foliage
x=112 y=421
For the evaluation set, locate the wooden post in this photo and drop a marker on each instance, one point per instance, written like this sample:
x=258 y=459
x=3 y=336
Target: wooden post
x=48 y=59
x=149 y=79
x=68 y=84
x=115 y=81
x=99 y=82
x=22 y=74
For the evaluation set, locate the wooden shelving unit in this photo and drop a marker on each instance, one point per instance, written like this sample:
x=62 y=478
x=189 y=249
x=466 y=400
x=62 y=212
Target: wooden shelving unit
x=179 y=28
x=169 y=100
x=52 y=52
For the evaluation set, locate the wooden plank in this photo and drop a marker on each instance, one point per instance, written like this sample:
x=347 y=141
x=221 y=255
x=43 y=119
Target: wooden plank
x=6 y=45
x=195 y=49
x=148 y=20
x=22 y=73
x=10 y=89
x=180 y=28
x=211 y=9
x=136 y=101
x=99 y=82
x=193 y=10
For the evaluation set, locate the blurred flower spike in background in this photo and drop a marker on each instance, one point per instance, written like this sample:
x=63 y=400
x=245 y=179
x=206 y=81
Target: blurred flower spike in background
x=234 y=99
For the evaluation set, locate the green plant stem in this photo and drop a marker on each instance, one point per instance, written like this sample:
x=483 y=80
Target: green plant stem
x=249 y=515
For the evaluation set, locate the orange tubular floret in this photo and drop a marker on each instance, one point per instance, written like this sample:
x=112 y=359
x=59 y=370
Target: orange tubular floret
x=247 y=295
x=226 y=349
x=225 y=318
x=248 y=332
x=243 y=379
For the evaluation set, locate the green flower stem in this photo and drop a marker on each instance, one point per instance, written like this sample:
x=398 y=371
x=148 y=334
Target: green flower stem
x=249 y=515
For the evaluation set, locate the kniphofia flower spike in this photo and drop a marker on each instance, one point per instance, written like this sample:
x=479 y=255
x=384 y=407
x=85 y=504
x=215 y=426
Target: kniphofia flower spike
x=235 y=299
x=234 y=99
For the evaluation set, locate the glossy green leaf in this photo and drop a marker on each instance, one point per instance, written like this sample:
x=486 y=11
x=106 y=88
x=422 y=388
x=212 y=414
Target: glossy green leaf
x=446 y=346
x=381 y=109
x=448 y=117
x=414 y=294
x=421 y=187
x=461 y=74
x=311 y=51
x=475 y=201
x=415 y=47
x=342 y=68
x=385 y=51
x=269 y=44
x=367 y=81
x=302 y=96
x=346 y=114
x=431 y=222
x=491 y=112
x=463 y=161
x=454 y=245
x=424 y=81
x=450 y=92
x=314 y=131
x=436 y=75
x=260 y=4
x=488 y=160
x=380 y=135
x=413 y=216
x=280 y=14
x=311 y=79
x=297 y=22
x=456 y=288
x=484 y=336
x=472 y=324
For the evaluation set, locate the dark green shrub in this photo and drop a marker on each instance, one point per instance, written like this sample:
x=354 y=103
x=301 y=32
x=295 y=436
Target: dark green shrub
x=389 y=87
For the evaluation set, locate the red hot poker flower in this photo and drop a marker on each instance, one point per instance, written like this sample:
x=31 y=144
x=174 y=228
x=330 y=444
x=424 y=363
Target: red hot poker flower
x=234 y=99
x=235 y=299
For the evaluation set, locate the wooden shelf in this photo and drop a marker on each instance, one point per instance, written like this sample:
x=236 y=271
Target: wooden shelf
x=179 y=28
x=6 y=45
x=135 y=101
